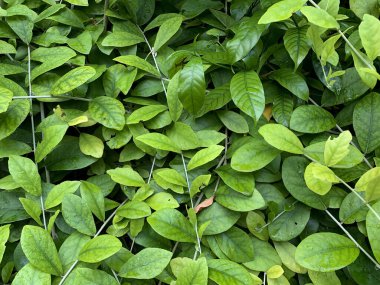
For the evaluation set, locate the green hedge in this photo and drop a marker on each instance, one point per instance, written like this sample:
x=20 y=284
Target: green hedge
x=189 y=142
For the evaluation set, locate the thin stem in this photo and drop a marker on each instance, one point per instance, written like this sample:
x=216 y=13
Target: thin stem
x=51 y=96
x=151 y=170
x=352 y=238
x=133 y=244
x=341 y=130
x=8 y=55
x=105 y=18
x=264 y=278
x=34 y=130
x=68 y=272
x=115 y=275
x=348 y=42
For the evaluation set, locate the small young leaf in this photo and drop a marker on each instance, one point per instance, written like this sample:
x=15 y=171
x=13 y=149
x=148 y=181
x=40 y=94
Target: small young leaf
x=281 y=11
x=319 y=178
x=320 y=17
x=91 y=145
x=369 y=183
x=337 y=149
x=369 y=30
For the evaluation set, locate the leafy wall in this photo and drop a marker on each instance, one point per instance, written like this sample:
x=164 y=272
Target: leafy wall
x=189 y=142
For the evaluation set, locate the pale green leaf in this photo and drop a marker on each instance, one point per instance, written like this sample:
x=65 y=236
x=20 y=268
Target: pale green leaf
x=5 y=99
x=73 y=79
x=369 y=183
x=146 y=264
x=324 y=278
x=281 y=10
x=239 y=202
x=162 y=200
x=87 y=276
x=319 y=178
x=91 y=145
x=99 y=248
x=38 y=246
x=369 y=31
x=326 y=252
x=145 y=113
x=287 y=252
x=30 y=275
x=33 y=209
x=56 y=194
x=17 y=111
x=320 y=17
x=243 y=183
x=337 y=149
x=292 y=81
x=188 y=271
x=233 y=121
x=25 y=173
x=158 y=141
x=172 y=225
x=121 y=39
x=108 y=111
x=224 y=272
x=281 y=138
x=204 y=156
x=135 y=61
x=167 y=30
x=51 y=137
x=93 y=196
x=373 y=230
x=311 y=119
x=134 y=210
x=126 y=176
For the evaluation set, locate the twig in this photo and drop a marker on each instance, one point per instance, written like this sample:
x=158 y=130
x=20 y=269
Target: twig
x=105 y=18
x=51 y=96
x=354 y=241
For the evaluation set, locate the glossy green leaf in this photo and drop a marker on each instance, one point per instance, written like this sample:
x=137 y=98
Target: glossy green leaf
x=243 y=183
x=320 y=17
x=158 y=141
x=326 y=252
x=223 y=272
x=319 y=178
x=134 y=210
x=281 y=138
x=93 y=196
x=248 y=94
x=17 y=111
x=52 y=136
x=171 y=224
x=126 y=176
x=135 y=61
x=33 y=209
x=107 y=111
x=204 y=156
x=58 y=192
x=167 y=30
x=188 y=271
x=192 y=86
x=25 y=173
x=38 y=246
x=30 y=275
x=122 y=39
x=281 y=10
x=99 y=248
x=311 y=119
x=146 y=264
x=87 y=276
x=233 y=121
x=4 y=236
x=292 y=81
x=238 y=202
x=337 y=149
x=297 y=44
x=5 y=99
x=145 y=113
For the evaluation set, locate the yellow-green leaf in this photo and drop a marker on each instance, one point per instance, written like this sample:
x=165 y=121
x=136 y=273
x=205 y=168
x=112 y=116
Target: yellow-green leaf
x=337 y=149
x=204 y=156
x=73 y=79
x=91 y=145
x=319 y=178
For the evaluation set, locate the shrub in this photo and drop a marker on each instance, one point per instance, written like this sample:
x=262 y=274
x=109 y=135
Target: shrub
x=189 y=142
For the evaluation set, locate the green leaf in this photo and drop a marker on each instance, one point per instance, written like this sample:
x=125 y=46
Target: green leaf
x=204 y=156
x=238 y=202
x=287 y=252
x=326 y=252
x=369 y=183
x=22 y=26
x=29 y=275
x=369 y=30
x=320 y=17
x=248 y=94
x=73 y=79
x=297 y=44
x=86 y=276
x=126 y=176
x=224 y=272
x=366 y=114
x=188 y=271
x=183 y=136
x=373 y=230
x=58 y=192
x=93 y=196
x=5 y=99
x=319 y=178
x=121 y=39
x=4 y=236
x=158 y=141
x=78 y=2
x=25 y=173
x=243 y=183
x=91 y=145
x=146 y=264
x=192 y=86
x=6 y=48
x=70 y=248
x=233 y=121
x=172 y=225
x=145 y=113
x=281 y=138
x=167 y=30
x=135 y=61
x=78 y=215
x=134 y=210
x=39 y=248
x=82 y=43
x=292 y=81
x=107 y=111
x=236 y=245
x=172 y=176
x=33 y=209
x=322 y=278
x=253 y=155
x=52 y=136
x=162 y=200
x=174 y=104
x=290 y=224
x=99 y=248
x=311 y=119
x=337 y=149
x=17 y=111
x=247 y=35
x=281 y=11
x=368 y=7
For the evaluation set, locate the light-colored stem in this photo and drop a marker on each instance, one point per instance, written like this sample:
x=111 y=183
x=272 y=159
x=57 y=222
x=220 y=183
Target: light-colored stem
x=354 y=241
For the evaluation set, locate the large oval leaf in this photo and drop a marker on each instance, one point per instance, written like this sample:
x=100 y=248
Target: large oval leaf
x=311 y=119
x=108 y=111
x=72 y=80
x=99 y=248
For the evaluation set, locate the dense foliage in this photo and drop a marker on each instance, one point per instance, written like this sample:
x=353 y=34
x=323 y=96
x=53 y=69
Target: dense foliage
x=189 y=142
